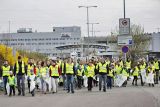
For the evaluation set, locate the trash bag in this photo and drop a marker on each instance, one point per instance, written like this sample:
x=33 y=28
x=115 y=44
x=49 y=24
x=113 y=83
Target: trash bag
x=120 y=80
x=8 y=88
x=85 y=81
x=143 y=74
x=150 y=78
x=32 y=86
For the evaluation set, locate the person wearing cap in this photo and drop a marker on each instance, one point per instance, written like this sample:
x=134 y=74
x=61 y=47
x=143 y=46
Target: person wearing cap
x=12 y=83
x=90 y=74
x=54 y=73
x=5 y=69
x=20 y=71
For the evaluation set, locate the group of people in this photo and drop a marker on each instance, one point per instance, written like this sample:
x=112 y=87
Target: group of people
x=48 y=75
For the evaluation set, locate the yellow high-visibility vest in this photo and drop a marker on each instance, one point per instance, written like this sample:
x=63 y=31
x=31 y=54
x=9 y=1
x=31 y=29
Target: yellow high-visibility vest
x=6 y=70
x=102 y=68
x=110 y=73
x=156 y=65
x=125 y=73
x=54 y=71
x=128 y=65
x=90 y=71
x=11 y=80
x=118 y=69
x=29 y=68
x=69 y=68
x=80 y=71
x=136 y=71
x=17 y=67
x=43 y=71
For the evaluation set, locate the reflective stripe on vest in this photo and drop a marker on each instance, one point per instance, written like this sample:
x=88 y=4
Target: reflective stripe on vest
x=6 y=70
x=17 y=67
x=54 y=70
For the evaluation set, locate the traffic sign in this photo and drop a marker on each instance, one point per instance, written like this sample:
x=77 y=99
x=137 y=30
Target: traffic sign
x=124 y=26
x=125 y=49
x=125 y=40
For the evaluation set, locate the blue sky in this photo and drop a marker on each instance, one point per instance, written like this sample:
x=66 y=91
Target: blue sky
x=42 y=15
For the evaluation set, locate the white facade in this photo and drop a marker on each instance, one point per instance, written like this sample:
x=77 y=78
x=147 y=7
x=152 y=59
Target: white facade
x=43 y=42
x=155 y=42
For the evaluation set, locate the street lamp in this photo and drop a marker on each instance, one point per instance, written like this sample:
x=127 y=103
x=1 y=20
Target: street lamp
x=87 y=7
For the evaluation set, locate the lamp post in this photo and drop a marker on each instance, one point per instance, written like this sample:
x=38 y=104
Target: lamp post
x=93 y=27
x=87 y=8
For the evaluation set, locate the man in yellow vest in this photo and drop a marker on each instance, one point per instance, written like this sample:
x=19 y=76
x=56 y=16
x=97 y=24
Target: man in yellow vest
x=6 y=68
x=20 y=71
x=102 y=71
x=135 y=74
x=54 y=73
x=63 y=71
x=69 y=70
x=156 y=65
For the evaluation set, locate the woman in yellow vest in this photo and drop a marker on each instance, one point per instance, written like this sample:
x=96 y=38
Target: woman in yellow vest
x=143 y=73
x=54 y=72
x=156 y=65
x=6 y=68
x=135 y=74
x=150 y=75
x=90 y=74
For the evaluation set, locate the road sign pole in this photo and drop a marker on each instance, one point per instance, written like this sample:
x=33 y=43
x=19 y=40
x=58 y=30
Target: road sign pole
x=125 y=57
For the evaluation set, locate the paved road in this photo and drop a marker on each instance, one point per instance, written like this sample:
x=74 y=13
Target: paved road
x=117 y=97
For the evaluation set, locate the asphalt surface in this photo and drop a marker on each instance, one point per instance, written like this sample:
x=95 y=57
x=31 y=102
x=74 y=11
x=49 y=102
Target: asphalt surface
x=129 y=96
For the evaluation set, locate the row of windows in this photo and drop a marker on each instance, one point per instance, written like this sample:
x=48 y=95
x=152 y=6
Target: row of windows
x=41 y=39
x=12 y=44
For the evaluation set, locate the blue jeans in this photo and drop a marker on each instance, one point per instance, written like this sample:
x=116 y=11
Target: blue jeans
x=64 y=82
x=20 y=84
x=109 y=82
x=70 y=83
x=102 y=78
x=5 y=79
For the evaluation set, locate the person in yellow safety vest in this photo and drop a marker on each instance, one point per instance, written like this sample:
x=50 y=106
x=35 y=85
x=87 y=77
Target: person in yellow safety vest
x=135 y=74
x=95 y=82
x=142 y=68
x=62 y=66
x=43 y=76
x=128 y=65
x=80 y=73
x=110 y=75
x=54 y=72
x=151 y=70
x=156 y=65
x=20 y=71
x=118 y=69
x=30 y=67
x=102 y=68
x=12 y=82
x=5 y=69
x=90 y=74
x=69 y=70
x=124 y=73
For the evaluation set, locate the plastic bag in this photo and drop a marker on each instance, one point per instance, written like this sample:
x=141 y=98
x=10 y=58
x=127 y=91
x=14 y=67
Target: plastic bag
x=8 y=88
x=120 y=80
x=150 y=78
x=38 y=82
x=32 y=86
x=85 y=81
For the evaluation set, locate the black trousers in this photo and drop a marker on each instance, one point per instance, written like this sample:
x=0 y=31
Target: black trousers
x=156 y=76
x=12 y=89
x=79 y=78
x=135 y=80
x=90 y=80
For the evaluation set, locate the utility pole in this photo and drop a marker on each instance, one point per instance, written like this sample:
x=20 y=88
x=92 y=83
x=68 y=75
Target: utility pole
x=124 y=4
